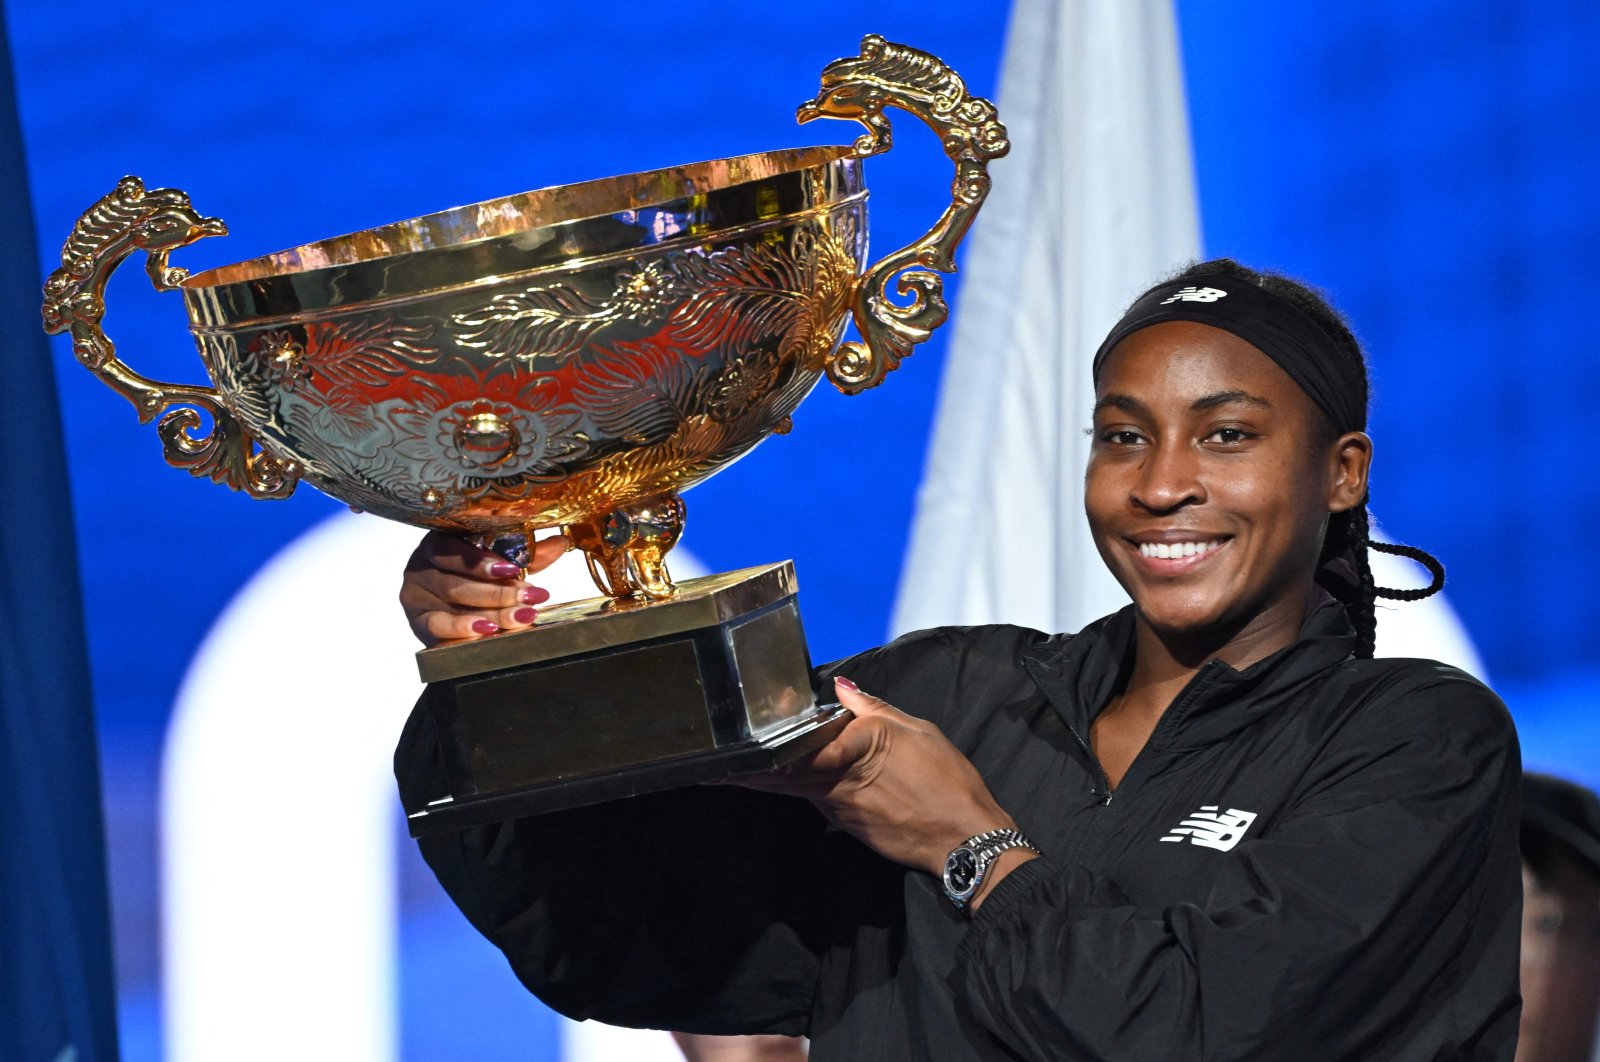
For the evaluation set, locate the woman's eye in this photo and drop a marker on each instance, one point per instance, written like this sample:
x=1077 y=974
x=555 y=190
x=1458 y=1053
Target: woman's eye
x=1231 y=436
x=1120 y=437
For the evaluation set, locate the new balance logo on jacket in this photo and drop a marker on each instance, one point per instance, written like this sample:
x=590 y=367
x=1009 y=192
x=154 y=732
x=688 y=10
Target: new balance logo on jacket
x=1211 y=828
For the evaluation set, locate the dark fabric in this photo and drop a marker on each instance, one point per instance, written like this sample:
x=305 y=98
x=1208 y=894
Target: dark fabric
x=1273 y=325
x=1371 y=909
x=1565 y=811
x=55 y=943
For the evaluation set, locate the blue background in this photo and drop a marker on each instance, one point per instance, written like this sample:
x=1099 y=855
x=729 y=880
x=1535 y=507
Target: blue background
x=1432 y=165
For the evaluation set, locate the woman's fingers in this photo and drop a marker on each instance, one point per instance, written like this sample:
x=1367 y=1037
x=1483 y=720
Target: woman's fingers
x=426 y=589
x=547 y=551
x=435 y=621
x=459 y=556
x=862 y=704
x=466 y=592
x=454 y=554
x=454 y=589
x=438 y=625
x=851 y=754
x=847 y=754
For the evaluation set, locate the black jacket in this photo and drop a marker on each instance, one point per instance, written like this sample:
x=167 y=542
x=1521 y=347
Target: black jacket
x=1315 y=858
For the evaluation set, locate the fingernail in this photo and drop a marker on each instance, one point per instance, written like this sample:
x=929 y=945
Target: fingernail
x=845 y=684
x=535 y=595
x=524 y=615
x=484 y=626
x=504 y=570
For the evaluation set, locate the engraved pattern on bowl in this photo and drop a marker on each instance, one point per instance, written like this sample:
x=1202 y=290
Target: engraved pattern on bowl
x=542 y=359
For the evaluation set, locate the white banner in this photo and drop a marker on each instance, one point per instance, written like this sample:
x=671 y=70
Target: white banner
x=1095 y=202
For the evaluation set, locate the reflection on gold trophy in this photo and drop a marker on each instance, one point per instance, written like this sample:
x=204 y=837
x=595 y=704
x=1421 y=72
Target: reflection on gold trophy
x=572 y=357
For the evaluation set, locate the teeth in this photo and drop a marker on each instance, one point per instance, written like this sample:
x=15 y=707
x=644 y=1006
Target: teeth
x=1175 y=550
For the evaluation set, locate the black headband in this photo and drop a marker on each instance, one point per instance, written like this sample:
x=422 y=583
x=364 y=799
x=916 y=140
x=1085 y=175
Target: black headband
x=1272 y=324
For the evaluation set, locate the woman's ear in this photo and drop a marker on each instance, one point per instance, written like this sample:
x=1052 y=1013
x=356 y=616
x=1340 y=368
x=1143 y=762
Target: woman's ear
x=1352 y=458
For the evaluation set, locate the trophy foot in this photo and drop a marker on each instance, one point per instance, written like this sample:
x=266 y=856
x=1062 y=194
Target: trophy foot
x=627 y=548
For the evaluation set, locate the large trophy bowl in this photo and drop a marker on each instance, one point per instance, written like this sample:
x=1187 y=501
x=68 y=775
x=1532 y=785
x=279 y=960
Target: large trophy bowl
x=572 y=357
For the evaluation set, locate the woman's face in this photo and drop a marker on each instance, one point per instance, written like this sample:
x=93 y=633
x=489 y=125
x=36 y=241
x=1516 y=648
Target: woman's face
x=1208 y=491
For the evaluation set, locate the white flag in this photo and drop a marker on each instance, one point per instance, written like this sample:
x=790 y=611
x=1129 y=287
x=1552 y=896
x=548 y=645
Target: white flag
x=1094 y=203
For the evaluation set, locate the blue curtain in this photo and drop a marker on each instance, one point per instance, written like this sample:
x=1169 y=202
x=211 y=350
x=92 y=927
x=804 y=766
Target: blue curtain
x=56 y=997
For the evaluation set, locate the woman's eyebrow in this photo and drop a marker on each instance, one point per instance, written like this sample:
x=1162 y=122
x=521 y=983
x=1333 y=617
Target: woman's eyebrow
x=1223 y=398
x=1129 y=404
x=1126 y=403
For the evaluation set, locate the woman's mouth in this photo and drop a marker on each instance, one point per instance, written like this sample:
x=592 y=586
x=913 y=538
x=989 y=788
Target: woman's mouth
x=1178 y=550
x=1172 y=557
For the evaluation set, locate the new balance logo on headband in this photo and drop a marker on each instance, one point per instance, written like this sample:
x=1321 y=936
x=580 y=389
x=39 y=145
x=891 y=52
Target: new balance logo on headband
x=1192 y=294
x=1210 y=828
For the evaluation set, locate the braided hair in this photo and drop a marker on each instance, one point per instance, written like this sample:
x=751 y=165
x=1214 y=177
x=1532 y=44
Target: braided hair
x=1342 y=569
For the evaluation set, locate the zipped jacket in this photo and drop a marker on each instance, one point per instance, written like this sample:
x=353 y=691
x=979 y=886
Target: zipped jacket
x=1313 y=858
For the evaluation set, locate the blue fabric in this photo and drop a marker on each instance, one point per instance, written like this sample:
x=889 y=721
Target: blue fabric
x=57 y=1002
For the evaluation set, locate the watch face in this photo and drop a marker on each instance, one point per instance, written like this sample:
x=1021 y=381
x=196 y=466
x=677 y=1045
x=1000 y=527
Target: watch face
x=960 y=869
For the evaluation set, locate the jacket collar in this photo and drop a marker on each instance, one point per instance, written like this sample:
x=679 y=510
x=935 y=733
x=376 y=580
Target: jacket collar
x=1079 y=673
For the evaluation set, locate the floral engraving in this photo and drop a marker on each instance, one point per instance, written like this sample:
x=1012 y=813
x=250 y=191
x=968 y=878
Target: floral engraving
x=472 y=430
x=795 y=290
x=283 y=358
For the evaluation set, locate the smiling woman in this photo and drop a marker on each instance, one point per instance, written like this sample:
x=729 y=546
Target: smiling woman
x=1208 y=492
x=1209 y=826
x=1227 y=486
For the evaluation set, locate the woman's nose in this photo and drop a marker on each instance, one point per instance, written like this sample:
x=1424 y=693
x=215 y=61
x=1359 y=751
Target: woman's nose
x=1169 y=478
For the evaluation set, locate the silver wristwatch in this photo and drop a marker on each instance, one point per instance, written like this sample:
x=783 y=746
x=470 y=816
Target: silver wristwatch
x=969 y=862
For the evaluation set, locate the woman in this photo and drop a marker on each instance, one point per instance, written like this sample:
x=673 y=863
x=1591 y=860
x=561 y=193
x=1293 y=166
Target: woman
x=1560 y=921
x=1234 y=833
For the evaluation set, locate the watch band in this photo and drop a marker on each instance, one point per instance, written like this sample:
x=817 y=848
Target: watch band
x=968 y=863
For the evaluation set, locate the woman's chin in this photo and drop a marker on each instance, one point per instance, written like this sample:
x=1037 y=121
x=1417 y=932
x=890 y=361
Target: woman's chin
x=1182 y=619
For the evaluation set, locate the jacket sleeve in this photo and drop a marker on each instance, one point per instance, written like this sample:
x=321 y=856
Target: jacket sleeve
x=687 y=910
x=1394 y=872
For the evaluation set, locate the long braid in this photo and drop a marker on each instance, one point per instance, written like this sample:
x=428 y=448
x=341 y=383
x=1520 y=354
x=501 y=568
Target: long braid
x=1359 y=593
x=1344 y=569
x=1422 y=557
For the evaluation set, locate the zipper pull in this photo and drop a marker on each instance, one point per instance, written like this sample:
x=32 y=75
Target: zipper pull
x=1106 y=803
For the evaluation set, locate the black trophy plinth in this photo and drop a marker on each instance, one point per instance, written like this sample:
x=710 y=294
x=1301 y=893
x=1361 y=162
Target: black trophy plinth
x=608 y=699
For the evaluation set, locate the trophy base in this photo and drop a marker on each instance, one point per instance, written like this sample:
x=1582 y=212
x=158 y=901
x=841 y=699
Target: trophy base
x=810 y=734
x=605 y=699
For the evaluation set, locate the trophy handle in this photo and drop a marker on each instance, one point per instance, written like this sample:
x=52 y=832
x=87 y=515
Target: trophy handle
x=156 y=222
x=894 y=75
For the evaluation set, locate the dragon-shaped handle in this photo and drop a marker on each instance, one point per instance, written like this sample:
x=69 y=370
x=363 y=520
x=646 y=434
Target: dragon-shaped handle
x=893 y=75
x=156 y=222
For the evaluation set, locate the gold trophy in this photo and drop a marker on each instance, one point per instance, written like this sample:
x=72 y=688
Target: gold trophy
x=571 y=357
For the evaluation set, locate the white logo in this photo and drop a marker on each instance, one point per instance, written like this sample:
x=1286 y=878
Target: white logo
x=1196 y=295
x=1213 y=829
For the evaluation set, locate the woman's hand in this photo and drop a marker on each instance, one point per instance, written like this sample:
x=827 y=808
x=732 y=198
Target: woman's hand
x=895 y=783
x=453 y=589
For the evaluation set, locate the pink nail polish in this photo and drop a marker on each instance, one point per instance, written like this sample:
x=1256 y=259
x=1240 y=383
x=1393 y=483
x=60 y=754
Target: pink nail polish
x=846 y=684
x=484 y=626
x=504 y=570
x=535 y=595
x=524 y=615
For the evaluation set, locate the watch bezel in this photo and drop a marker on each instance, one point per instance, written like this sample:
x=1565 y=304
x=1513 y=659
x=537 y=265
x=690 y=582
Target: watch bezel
x=983 y=849
x=957 y=894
